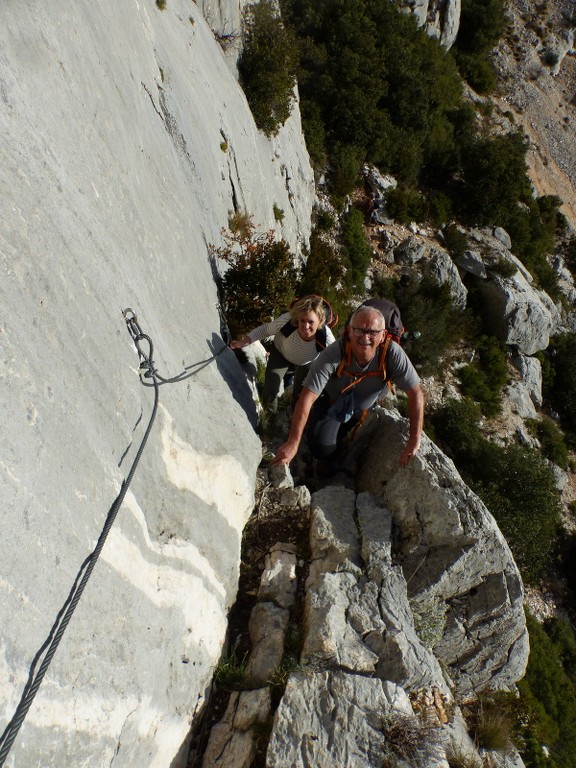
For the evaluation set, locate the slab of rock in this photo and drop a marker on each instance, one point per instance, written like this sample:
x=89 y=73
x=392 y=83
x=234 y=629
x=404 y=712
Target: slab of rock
x=452 y=553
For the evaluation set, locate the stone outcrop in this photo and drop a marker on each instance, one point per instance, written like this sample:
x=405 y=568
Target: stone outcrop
x=372 y=661
x=440 y=19
x=452 y=554
x=126 y=144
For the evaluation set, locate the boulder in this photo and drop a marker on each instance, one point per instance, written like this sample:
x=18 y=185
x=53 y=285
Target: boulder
x=452 y=553
x=445 y=272
x=519 y=314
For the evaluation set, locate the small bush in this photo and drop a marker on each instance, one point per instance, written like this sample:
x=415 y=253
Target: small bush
x=405 y=205
x=515 y=483
x=491 y=722
x=455 y=241
x=409 y=739
x=551 y=439
x=278 y=213
x=484 y=379
x=504 y=267
x=548 y=697
x=260 y=279
x=267 y=66
x=230 y=672
x=560 y=381
x=357 y=249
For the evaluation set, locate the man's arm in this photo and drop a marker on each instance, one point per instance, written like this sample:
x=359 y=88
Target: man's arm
x=288 y=450
x=416 y=418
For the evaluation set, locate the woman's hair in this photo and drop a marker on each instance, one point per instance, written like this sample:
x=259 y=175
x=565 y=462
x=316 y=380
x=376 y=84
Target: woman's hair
x=308 y=304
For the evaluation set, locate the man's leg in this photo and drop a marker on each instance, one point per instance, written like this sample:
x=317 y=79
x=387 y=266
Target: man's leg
x=322 y=430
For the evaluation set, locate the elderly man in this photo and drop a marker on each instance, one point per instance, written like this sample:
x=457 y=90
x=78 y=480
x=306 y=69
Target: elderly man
x=345 y=381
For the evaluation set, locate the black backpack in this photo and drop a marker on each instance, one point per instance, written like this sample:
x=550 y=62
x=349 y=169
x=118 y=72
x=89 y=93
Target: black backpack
x=321 y=336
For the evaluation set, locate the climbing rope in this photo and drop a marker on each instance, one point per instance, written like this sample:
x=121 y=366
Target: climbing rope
x=44 y=655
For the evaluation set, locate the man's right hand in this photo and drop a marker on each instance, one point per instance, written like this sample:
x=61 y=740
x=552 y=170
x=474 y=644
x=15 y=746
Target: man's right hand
x=285 y=453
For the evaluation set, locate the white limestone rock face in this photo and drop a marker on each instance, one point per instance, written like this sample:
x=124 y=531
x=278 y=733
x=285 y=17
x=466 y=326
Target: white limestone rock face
x=452 y=553
x=126 y=141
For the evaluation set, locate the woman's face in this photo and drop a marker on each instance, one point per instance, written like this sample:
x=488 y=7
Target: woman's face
x=307 y=325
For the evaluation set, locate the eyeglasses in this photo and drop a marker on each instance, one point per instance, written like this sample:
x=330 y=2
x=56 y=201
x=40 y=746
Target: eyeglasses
x=372 y=332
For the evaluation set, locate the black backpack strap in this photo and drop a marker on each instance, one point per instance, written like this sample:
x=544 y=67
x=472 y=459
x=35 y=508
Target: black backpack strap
x=287 y=329
x=321 y=338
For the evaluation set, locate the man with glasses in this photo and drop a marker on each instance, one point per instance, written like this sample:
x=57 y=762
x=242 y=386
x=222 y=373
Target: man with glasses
x=335 y=396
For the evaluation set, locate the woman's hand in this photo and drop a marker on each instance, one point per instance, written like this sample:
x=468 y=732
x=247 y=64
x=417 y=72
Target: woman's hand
x=239 y=343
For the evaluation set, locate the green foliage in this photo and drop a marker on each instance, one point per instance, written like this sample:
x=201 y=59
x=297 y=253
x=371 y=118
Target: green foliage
x=230 y=672
x=504 y=267
x=373 y=82
x=551 y=439
x=455 y=241
x=161 y=4
x=484 y=379
x=560 y=382
x=427 y=307
x=357 y=249
x=260 y=279
x=267 y=66
x=548 y=696
x=495 y=178
x=324 y=274
x=405 y=205
x=515 y=483
x=278 y=213
x=482 y=22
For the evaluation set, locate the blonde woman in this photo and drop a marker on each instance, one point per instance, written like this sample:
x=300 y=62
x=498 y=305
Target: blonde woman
x=298 y=336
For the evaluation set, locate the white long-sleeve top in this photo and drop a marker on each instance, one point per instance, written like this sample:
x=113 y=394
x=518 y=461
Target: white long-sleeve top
x=292 y=347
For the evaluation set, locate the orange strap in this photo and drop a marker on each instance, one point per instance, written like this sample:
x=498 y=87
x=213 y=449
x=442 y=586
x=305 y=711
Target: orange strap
x=344 y=367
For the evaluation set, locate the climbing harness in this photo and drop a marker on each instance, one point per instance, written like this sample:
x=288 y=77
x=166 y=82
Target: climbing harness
x=149 y=376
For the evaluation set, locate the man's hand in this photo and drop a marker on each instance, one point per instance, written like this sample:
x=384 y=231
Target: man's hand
x=289 y=449
x=285 y=453
x=416 y=418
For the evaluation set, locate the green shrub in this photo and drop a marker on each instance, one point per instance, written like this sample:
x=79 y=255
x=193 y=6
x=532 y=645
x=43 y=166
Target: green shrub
x=482 y=22
x=495 y=178
x=515 y=483
x=548 y=698
x=504 y=267
x=560 y=381
x=267 y=66
x=405 y=205
x=484 y=379
x=426 y=307
x=551 y=439
x=357 y=248
x=372 y=81
x=324 y=273
x=455 y=241
x=260 y=279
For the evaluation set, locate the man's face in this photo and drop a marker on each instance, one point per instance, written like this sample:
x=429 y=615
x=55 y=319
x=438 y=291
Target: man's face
x=365 y=333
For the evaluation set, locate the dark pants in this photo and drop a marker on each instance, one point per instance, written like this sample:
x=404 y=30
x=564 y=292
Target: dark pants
x=276 y=368
x=324 y=433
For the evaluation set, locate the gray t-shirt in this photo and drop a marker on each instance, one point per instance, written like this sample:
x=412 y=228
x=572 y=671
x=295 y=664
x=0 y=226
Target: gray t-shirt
x=321 y=378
